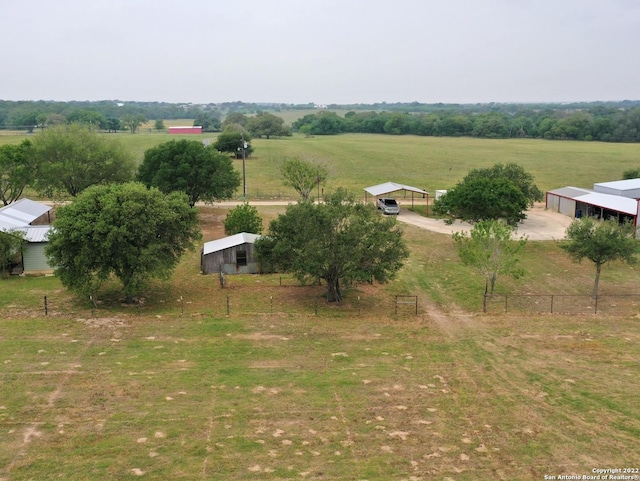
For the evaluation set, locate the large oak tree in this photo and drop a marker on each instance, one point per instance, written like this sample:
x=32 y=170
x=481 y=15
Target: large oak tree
x=70 y=158
x=340 y=241
x=124 y=230
x=189 y=166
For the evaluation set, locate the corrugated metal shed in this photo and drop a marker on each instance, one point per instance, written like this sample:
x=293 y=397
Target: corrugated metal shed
x=389 y=187
x=228 y=242
x=36 y=233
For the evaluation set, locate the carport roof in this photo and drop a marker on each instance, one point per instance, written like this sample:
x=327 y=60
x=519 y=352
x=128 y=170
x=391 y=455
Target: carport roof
x=227 y=242
x=389 y=187
x=612 y=202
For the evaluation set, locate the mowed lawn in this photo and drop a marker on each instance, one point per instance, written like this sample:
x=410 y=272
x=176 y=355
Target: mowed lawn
x=263 y=381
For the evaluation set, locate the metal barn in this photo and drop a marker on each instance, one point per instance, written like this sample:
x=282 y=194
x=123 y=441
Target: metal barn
x=230 y=255
x=195 y=129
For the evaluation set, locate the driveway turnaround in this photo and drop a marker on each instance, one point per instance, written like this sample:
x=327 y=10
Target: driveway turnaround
x=540 y=224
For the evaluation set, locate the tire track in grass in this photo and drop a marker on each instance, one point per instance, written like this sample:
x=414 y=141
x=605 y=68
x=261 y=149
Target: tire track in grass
x=210 y=424
x=31 y=431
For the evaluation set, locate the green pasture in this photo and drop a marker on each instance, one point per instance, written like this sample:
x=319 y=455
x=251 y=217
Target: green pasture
x=356 y=161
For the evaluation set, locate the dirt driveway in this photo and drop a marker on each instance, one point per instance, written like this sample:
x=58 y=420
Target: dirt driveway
x=540 y=224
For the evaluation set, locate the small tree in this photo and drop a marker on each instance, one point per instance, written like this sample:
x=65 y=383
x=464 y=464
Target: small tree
x=491 y=250
x=159 y=124
x=631 y=174
x=600 y=242
x=303 y=175
x=267 y=125
x=133 y=122
x=124 y=230
x=231 y=140
x=243 y=218
x=10 y=244
x=16 y=172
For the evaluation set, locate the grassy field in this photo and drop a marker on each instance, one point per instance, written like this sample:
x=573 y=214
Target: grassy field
x=263 y=380
x=356 y=161
x=266 y=381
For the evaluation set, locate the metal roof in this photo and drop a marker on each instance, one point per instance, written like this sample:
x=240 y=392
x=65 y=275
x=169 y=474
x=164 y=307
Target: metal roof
x=388 y=187
x=628 y=184
x=21 y=213
x=570 y=192
x=227 y=242
x=612 y=202
x=37 y=233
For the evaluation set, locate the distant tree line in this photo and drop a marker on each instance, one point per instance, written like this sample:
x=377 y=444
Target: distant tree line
x=601 y=121
x=607 y=124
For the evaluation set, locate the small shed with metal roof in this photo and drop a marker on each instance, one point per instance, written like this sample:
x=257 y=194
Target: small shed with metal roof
x=390 y=187
x=19 y=217
x=34 y=259
x=230 y=255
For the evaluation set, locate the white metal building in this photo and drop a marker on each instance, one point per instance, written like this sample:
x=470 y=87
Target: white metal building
x=625 y=188
x=608 y=200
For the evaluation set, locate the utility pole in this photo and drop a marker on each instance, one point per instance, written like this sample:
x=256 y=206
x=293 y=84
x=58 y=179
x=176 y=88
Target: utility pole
x=244 y=166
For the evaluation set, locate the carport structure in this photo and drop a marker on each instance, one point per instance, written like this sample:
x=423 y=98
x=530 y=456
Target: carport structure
x=576 y=202
x=390 y=187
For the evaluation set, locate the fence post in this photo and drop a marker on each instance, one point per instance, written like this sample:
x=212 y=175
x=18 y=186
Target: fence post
x=551 y=303
x=46 y=309
x=228 y=306
x=271 y=307
x=484 y=301
x=358 y=305
x=396 y=307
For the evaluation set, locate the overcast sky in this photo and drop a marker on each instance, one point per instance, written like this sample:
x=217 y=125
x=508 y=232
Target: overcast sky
x=323 y=51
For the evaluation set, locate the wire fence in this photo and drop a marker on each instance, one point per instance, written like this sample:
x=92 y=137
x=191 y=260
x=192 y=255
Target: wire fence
x=235 y=303
x=561 y=304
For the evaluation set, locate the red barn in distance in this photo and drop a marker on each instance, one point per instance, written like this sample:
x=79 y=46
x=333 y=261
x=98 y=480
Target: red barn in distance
x=186 y=130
